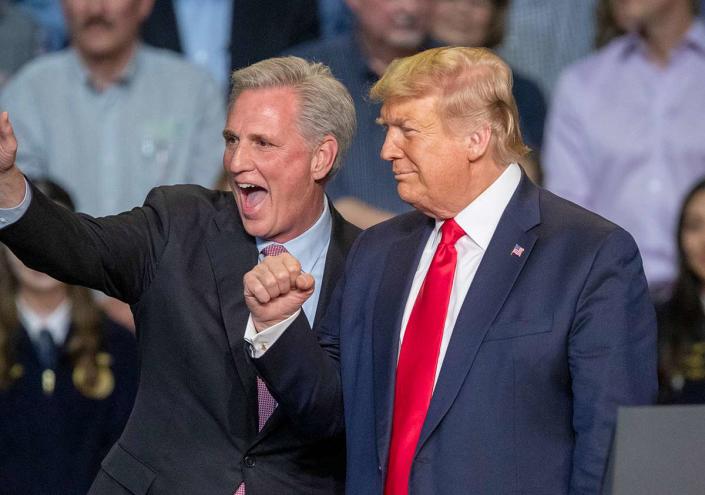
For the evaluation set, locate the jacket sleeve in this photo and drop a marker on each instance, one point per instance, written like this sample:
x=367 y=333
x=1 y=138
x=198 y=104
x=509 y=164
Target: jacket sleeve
x=611 y=354
x=117 y=255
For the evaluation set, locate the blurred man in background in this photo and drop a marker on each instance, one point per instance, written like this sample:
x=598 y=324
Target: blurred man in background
x=109 y=118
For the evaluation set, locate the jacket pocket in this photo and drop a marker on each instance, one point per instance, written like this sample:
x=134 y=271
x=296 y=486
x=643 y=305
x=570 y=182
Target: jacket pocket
x=518 y=328
x=127 y=470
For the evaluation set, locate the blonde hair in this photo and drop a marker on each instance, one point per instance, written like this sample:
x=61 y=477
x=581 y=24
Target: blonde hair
x=474 y=87
x=326 y=107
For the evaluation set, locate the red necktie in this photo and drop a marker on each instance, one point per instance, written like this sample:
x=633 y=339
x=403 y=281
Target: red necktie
x=418 y=359
x=266 y=404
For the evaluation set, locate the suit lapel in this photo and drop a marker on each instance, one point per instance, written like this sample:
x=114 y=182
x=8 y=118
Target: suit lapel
x=233 y=253
x=399 y=268
x=343 y=234
x=492 y=284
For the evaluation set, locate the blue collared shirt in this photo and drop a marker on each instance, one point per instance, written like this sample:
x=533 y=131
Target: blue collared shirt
x=310 y=248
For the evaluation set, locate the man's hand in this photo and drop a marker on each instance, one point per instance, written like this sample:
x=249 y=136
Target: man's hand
x=11 y=180
x=275 y=289
x=8 y=144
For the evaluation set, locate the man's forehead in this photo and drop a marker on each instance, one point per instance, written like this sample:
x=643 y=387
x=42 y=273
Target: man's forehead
x=265 y=104
x=276 y=96
x=397 y=110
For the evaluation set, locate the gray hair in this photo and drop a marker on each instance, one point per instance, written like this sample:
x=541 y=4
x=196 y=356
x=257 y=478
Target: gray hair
x=326 y=105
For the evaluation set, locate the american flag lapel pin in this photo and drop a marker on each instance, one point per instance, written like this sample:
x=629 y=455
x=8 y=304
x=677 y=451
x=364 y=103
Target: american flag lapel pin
x=517 y=251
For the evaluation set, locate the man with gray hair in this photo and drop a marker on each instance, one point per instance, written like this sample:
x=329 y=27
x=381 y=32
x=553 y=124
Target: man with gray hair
x=203 y=422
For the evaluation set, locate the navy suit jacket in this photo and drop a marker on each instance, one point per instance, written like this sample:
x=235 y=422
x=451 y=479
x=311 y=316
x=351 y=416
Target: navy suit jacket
x=546 y=346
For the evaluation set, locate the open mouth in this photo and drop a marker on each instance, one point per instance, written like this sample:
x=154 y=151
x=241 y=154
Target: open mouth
x=252 y=195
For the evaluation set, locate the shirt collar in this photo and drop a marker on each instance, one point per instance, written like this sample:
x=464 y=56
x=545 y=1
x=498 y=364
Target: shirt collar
x=127 y=76
x=694 y=38
x=480 y=218
x=57 y=322
x=308 y=246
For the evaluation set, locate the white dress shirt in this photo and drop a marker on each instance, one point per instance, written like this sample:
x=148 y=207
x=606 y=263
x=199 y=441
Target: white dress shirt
x=57 y=322
x=479 y=220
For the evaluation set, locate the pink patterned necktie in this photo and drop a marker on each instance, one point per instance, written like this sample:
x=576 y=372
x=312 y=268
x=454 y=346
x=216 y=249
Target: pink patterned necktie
x=266 y=404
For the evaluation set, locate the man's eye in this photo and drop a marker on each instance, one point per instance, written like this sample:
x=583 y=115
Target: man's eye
x=231 y=140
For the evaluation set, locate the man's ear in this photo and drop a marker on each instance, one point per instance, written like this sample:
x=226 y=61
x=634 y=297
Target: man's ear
x=478 y=142
x=323 y=158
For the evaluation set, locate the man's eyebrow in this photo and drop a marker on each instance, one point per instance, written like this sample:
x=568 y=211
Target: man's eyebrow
x=228 y=134
x=380 y=121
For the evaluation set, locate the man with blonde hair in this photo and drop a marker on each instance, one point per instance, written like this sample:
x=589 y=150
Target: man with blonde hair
x=483 y=343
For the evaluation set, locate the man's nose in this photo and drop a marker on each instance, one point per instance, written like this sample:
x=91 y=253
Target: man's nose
x=390 y=150
x=235 y=159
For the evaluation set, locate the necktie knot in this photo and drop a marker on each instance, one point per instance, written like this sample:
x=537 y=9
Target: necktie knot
x=451 y=232
x=274 y=249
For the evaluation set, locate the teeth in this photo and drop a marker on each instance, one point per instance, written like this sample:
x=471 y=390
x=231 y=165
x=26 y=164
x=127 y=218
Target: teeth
x=246 y=186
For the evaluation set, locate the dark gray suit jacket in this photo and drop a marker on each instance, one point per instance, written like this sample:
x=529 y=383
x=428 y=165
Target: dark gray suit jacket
x=179 y=261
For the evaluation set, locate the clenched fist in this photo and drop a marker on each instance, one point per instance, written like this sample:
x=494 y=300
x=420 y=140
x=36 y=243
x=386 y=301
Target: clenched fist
x=275 y=289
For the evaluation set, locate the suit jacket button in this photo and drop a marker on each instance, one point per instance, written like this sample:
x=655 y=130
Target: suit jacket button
x=249 y=461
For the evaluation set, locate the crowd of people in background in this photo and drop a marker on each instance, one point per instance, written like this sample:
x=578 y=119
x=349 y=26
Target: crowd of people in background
x=110 y=98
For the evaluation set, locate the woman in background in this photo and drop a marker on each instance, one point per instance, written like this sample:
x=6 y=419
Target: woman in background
x=682 y=318
x=68 y=377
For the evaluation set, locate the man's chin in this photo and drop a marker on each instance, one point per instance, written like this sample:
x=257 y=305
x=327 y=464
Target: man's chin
x=405 y=193
x=406 y=40
x=254 y=226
